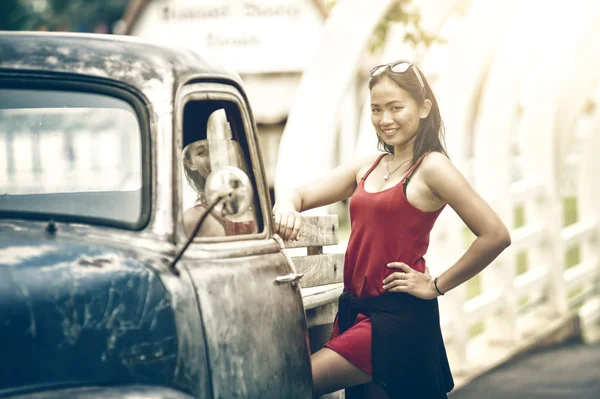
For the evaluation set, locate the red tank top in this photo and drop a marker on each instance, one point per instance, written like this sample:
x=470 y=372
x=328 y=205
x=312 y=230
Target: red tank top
x=385 y=228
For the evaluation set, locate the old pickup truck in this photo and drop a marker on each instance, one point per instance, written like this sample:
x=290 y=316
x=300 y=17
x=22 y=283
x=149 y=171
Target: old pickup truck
x=137 y=251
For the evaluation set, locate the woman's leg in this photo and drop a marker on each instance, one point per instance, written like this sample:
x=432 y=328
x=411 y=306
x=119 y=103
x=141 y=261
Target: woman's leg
x=332 y=372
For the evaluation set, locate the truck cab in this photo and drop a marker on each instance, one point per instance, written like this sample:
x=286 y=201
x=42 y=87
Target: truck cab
x=107 y=144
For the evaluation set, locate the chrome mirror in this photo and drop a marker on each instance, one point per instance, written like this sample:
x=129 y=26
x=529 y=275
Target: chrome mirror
x=228 y=192
x=231 y=184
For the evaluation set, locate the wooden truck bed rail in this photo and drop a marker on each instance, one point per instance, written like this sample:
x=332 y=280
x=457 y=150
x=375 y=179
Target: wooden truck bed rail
x=323 y=274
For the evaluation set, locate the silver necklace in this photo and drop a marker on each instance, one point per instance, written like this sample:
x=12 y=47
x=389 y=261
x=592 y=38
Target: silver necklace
x=386 y=177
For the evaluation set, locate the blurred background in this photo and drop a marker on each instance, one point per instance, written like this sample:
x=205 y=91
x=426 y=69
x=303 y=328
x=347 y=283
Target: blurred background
x=98 y=16
x=518 y=88
x=268 y=42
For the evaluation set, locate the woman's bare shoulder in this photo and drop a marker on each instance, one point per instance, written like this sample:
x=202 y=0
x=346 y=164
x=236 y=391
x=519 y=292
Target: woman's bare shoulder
x=436 y=161
x=194 y=211
x=440 y=174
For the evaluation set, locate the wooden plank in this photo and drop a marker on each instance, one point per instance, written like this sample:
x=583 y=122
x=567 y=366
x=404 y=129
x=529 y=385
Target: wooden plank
x=320 y=269
x=524 y=190
x=321 y=315
x=482 y=306
x=532 y=281
x=578 y=232
x=528 y=236
x=314 y=251
x=583 y=272
x=316 y=231
x=334 y=395
x=322 y=295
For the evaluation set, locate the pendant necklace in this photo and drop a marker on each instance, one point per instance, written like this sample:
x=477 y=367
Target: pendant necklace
x=386 y=177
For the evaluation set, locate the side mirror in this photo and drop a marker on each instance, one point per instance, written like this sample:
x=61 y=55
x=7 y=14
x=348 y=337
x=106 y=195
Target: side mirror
x=228 y=192
x=233 y=186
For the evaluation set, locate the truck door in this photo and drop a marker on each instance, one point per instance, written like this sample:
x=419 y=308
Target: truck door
x=254 y=322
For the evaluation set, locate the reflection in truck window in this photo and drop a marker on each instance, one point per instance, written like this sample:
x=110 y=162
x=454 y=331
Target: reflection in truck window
x=71 y=156
x=199 y=159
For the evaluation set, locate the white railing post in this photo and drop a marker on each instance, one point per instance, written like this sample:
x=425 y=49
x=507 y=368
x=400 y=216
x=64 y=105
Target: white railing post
x=554 y=250
x=578 y=146
x=313 y=117
x=445 y=248
x=501 y=327
x=588 y=191
x=492 y=177
x=539 y=145
x=348 y=126
x=459 y=329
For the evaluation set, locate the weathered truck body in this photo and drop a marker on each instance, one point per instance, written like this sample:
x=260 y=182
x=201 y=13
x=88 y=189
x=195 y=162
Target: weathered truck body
x=91 y=304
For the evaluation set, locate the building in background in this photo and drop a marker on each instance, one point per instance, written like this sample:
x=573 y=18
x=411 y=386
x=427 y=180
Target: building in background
x=268 y=42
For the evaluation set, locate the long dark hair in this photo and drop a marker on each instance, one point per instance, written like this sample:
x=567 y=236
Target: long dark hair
x=194 y=178
x=430 y=134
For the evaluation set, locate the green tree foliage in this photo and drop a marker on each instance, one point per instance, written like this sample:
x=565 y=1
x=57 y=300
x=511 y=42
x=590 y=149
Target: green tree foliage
x=83 y=13
x=404 y=12
x=14 y=15
x=70 y=15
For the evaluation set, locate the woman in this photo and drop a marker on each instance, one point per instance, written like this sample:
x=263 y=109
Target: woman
x=387 y=330
x=197 y=167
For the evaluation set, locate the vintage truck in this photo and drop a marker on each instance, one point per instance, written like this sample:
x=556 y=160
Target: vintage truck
x=118 y=279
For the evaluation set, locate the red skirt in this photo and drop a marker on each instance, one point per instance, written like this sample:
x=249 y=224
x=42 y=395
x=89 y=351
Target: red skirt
x=355 y=343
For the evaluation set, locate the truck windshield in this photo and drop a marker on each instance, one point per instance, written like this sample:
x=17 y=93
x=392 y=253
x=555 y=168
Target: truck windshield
x=70 y=155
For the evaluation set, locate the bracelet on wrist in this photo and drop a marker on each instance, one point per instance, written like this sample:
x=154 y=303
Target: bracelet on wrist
x=436 y=287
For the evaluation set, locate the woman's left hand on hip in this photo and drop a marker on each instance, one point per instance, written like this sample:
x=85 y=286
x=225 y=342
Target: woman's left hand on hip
x=408 y=280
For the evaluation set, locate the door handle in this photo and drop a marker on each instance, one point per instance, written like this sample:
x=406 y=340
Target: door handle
x=292 y=277
x=289 y=278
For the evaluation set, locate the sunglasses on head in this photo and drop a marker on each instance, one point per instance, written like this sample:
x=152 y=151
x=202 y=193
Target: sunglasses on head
x=398 y=67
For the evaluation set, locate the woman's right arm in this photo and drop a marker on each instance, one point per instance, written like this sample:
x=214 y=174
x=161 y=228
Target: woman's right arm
x=335 y=186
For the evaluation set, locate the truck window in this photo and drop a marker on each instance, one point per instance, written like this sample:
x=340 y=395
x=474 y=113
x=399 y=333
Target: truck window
x=71 y=156
x=213 y=138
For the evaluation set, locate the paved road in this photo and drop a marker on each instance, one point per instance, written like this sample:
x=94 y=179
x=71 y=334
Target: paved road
x=569 y=371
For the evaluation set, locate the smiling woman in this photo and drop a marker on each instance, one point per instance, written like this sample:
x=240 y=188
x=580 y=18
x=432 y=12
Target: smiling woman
x=387 y=333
